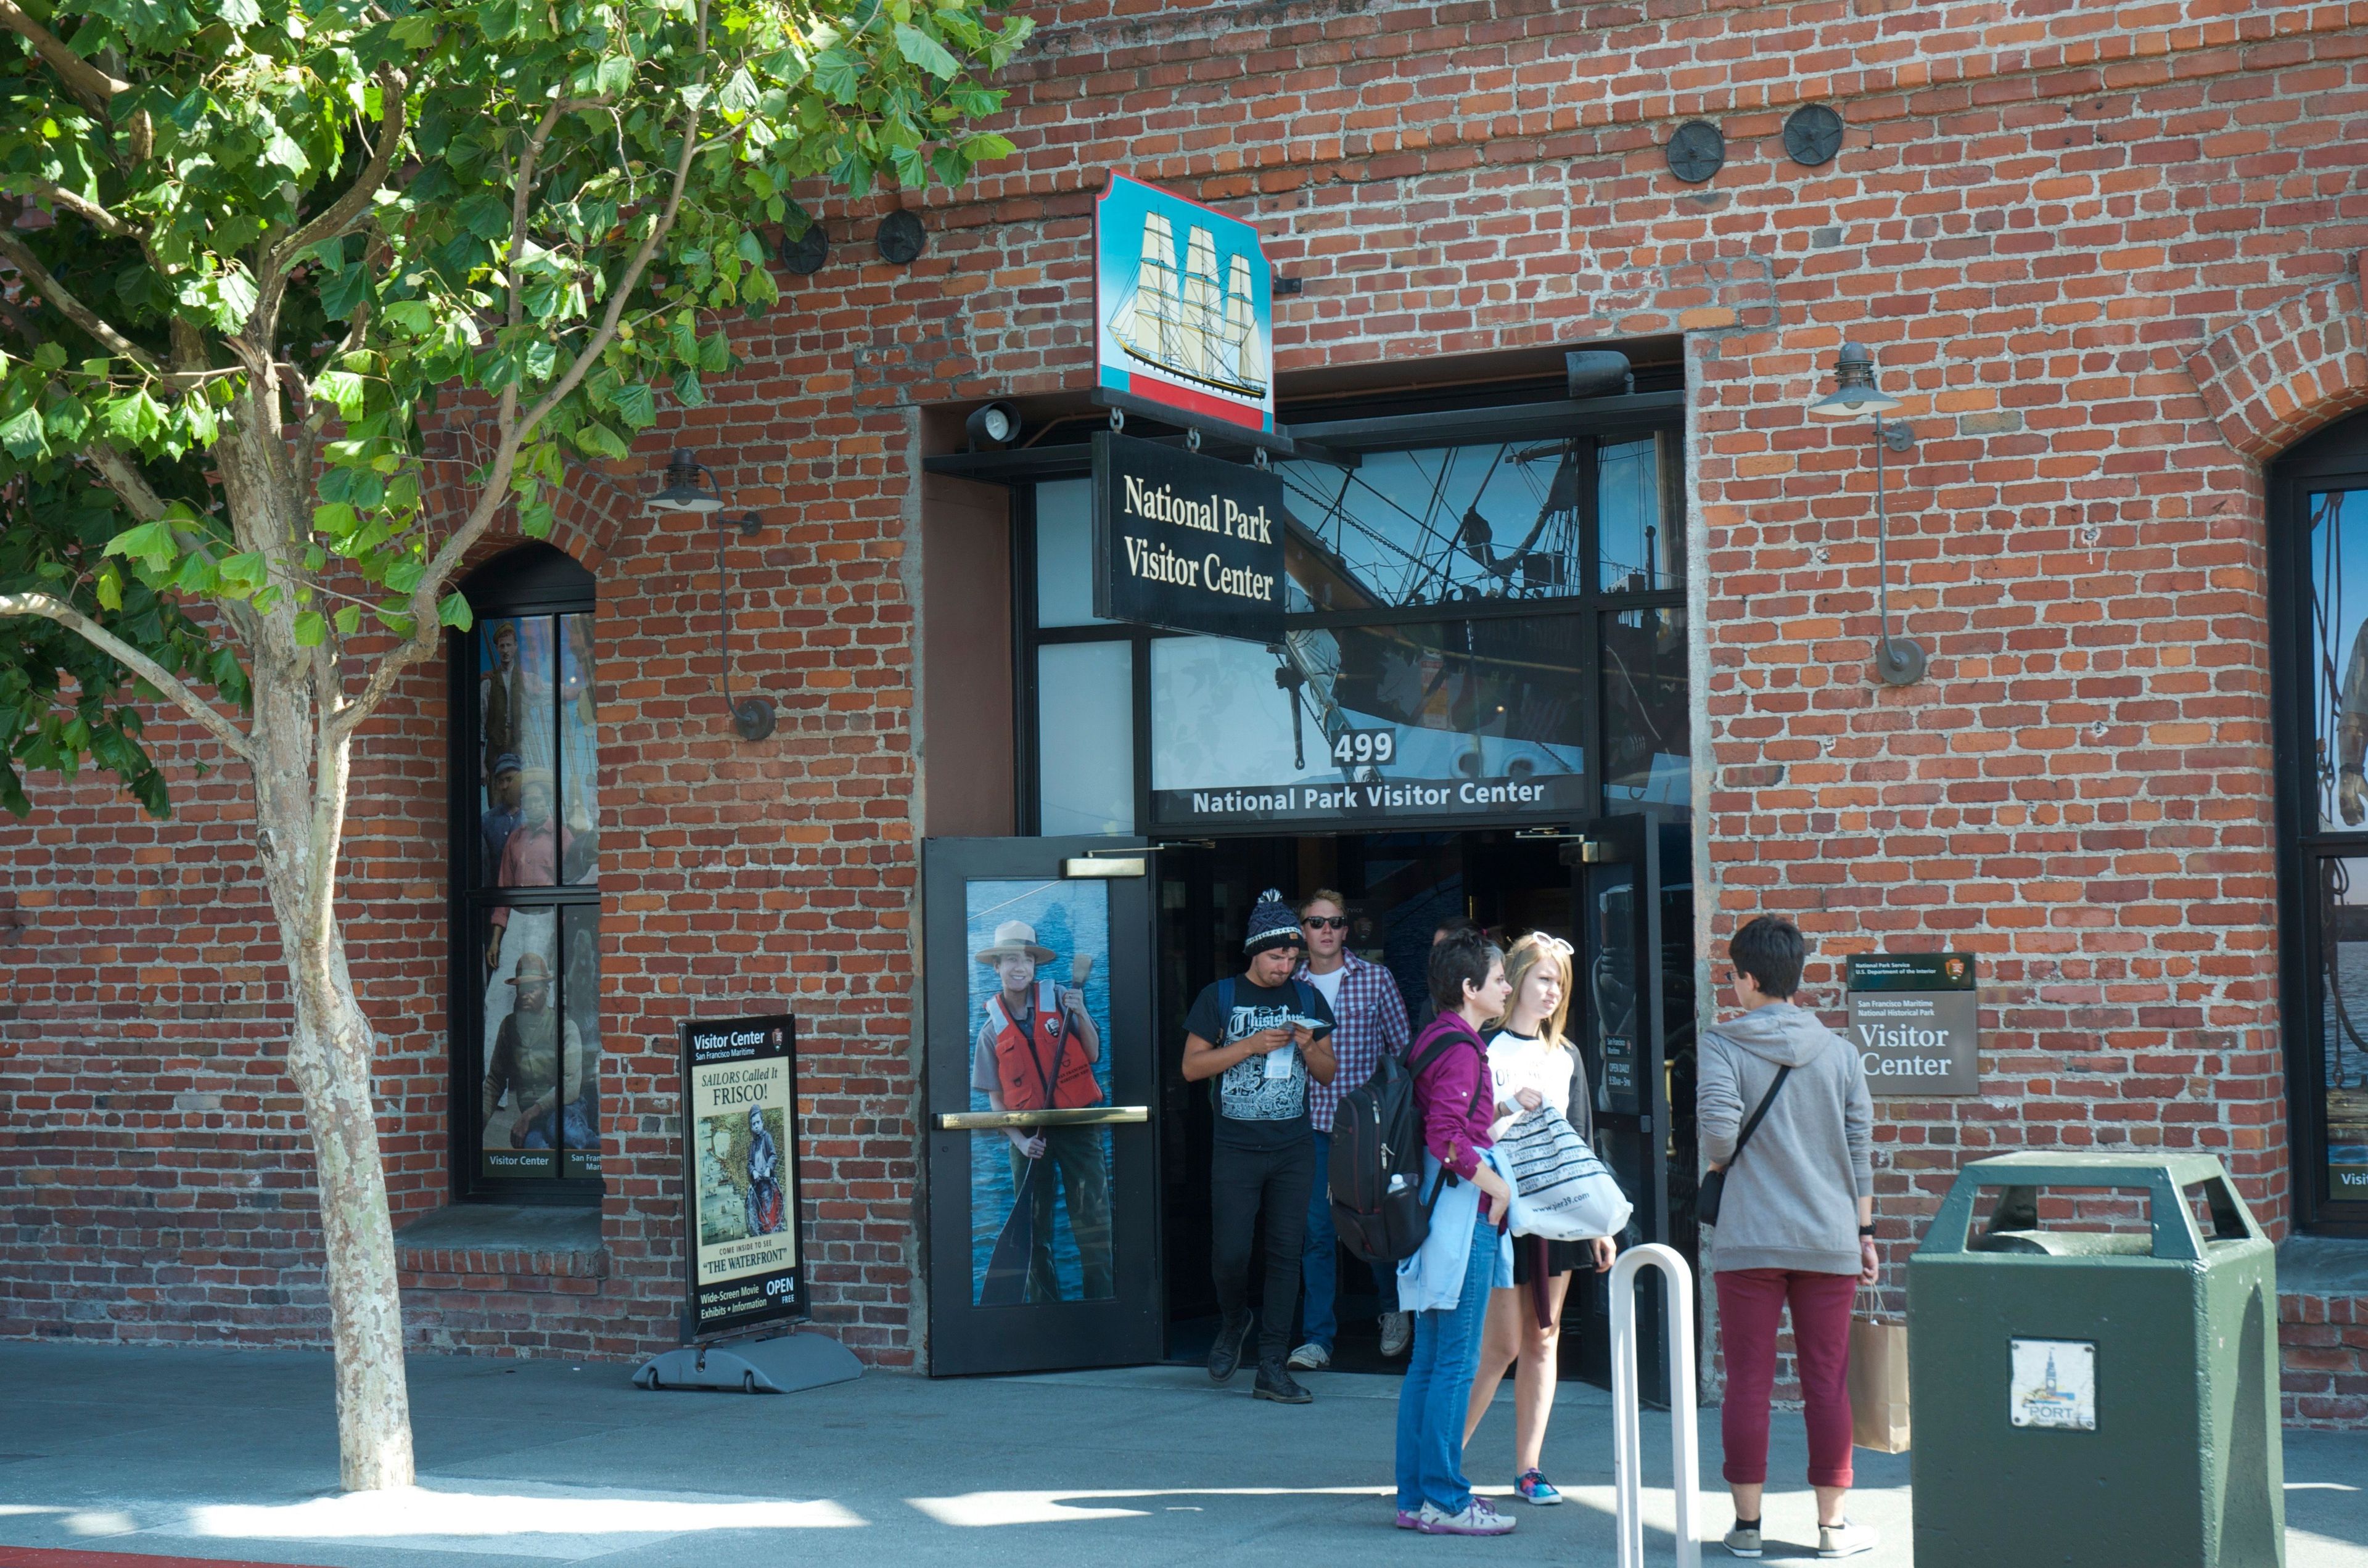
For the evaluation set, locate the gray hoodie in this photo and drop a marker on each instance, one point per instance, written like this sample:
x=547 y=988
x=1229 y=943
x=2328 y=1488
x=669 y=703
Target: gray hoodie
x=1792 y=1198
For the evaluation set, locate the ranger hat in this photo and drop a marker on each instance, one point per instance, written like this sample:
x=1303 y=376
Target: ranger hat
x=1015 y=939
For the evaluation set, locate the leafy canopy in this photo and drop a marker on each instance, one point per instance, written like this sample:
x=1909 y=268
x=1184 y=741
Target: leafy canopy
x=283 y=266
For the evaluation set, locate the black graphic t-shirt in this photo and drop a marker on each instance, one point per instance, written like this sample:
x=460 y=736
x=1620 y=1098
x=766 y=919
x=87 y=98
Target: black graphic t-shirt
x=1257 y=1109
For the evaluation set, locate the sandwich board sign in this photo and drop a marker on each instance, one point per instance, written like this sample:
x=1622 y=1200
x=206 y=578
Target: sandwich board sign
x=1183 y=311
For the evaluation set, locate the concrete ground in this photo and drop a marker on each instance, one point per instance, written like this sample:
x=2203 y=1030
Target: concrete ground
x=232 y=1455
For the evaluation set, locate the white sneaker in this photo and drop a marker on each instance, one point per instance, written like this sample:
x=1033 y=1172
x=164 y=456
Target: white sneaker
x=1310 y=1357
x=1844 y=1539
x=1398 y=1333
x=1742 y=1542
x=1477 y=1519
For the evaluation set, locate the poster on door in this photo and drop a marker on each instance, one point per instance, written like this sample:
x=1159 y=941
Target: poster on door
x=740 y=1139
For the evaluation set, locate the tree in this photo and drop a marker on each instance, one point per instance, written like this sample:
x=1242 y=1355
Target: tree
x=262 y=253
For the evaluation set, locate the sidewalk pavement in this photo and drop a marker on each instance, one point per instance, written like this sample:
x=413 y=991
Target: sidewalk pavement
x=233 y=1455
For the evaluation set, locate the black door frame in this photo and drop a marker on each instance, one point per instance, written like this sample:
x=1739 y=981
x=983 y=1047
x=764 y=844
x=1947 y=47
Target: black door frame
x=1127 y=1329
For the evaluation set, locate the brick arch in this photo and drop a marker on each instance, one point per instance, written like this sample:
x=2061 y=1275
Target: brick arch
x=2276 y=377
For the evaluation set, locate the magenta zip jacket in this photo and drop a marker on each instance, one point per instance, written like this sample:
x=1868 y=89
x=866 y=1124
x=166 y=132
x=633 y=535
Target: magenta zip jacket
x=1453 y=1128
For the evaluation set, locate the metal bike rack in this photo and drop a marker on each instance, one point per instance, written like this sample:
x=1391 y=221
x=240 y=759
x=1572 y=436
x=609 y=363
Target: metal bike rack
x=1627 y=1441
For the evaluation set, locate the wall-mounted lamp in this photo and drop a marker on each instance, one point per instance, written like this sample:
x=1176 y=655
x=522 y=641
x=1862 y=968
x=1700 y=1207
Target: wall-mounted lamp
x=1855 y=396
x=994 y=426
x=752 y=716
x=901 y=238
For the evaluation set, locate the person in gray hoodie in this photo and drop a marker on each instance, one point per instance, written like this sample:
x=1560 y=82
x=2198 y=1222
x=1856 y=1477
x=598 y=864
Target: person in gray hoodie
x=1795 y=1222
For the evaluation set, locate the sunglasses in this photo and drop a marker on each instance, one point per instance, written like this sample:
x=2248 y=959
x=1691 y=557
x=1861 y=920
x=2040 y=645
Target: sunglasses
x=1325 y=923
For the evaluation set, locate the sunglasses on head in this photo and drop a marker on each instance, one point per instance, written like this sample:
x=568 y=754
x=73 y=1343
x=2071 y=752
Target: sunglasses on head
x=1325 y=922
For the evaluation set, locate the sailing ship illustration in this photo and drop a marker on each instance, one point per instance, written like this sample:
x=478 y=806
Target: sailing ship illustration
x=1181 y=321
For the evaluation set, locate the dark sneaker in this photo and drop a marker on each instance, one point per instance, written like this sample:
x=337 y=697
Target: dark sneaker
x=1397 y=1333
x=1531 y=1486
x=1275 y=1382
x=1226 y=1355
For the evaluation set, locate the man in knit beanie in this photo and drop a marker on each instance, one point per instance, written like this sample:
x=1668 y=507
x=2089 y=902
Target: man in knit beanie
x=1258 y=1037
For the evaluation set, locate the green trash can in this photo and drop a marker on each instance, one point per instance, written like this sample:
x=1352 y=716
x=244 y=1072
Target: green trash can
x=2094 y=1398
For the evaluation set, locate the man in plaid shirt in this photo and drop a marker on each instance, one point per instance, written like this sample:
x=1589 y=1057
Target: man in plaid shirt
x=1371 y=1019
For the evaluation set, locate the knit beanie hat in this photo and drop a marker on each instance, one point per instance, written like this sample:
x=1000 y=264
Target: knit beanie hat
x=1272 y=925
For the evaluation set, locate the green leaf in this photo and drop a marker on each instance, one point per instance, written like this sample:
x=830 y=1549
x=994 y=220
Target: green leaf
x=453 y=610
x=152 y=544
x=311 y=630
x=25 y=436
x=927 y=52
x=349 y=619
x=636 y=404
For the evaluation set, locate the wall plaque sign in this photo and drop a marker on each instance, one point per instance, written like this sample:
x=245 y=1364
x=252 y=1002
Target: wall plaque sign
x=1915 y=1018
x=1183 y=309
x=740 y=1166
x=1186 y=542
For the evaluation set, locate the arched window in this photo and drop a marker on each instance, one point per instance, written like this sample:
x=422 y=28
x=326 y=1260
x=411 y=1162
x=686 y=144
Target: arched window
x=2318 y=557
x=526 y=890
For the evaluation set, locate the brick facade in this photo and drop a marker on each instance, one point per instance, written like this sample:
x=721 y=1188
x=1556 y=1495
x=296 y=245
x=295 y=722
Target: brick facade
x=2107 y=255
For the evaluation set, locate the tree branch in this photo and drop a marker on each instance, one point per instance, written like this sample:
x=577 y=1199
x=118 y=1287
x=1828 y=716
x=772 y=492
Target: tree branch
x=123 y=477
x=86 y=81
x=341 y=213
x=81 y=206
x=18 y=605
x=29 y=267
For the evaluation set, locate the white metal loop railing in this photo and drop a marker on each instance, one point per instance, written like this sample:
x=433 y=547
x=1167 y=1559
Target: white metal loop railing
x=1627 y=1442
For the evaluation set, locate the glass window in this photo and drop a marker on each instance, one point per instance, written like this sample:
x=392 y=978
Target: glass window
x=1640 y=536
x=1646 y=736
x=526 y=854
x=2339 y=661
x=1085 y=737
x=1064 y=554
x=1436 y=526
x=2343 y=1022
x=1468 y=718
x=1041 y=1018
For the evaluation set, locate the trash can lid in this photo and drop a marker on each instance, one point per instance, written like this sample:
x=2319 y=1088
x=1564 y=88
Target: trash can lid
x=2165 y=1176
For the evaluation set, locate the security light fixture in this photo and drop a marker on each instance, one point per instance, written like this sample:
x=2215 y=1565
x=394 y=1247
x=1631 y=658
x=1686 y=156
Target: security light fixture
x=994 y=426
x=754 y=717
x=807 y=254
x=1597 y=372
x=1855 y=396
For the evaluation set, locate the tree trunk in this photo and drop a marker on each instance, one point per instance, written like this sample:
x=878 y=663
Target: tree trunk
x=329 y=1057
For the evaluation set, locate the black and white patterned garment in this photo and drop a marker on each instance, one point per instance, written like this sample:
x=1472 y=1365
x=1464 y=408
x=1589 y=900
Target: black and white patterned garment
x=1253 y=1109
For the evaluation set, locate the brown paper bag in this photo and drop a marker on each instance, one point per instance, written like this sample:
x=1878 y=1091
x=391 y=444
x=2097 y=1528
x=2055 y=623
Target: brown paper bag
x=1878 y=1382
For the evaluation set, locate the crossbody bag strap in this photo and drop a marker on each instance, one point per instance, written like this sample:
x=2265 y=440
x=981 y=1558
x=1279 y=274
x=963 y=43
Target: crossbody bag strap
x=1753 y=1125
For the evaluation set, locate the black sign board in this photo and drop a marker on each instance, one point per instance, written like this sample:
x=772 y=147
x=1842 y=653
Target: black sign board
x=1186 y=542
x=747 y=1262
x=1916 y=1019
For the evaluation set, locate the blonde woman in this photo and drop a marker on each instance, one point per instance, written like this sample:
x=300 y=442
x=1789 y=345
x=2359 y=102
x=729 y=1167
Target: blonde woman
x=1531 y=1064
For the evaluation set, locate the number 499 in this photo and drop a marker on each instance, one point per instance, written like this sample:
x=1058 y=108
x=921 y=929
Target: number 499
x=1365 y=745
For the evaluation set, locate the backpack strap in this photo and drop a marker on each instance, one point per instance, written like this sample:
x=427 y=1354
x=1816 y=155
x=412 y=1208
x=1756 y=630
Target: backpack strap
x=1479 y=1089
x=1225 y=1007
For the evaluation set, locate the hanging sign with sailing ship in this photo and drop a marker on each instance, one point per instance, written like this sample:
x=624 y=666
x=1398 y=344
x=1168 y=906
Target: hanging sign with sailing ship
x=1183 y=307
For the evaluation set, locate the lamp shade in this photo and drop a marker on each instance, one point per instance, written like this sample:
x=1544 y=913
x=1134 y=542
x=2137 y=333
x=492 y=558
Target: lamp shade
x=683 y=493
x=1855 y=395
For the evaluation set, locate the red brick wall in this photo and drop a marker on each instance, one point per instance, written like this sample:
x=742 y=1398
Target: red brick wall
x=2106 y=255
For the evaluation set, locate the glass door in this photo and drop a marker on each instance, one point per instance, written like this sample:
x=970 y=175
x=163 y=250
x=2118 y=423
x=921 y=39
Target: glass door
x=1042 y=1204
x=1634 y=1021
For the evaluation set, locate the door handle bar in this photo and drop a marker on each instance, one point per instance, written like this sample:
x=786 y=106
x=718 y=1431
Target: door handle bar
x=1082 y=1116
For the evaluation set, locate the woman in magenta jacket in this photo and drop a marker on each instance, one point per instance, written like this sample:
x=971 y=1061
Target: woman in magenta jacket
x=1467 y=982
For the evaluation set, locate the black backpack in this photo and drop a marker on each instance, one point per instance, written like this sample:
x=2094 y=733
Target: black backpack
x=1375 y=1167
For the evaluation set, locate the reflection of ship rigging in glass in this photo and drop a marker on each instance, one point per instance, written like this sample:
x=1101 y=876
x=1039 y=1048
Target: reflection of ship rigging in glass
x=2342 y=719
x=1180 y=322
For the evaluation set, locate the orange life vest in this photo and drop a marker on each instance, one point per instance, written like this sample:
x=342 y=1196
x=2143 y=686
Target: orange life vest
x=1026 y=1063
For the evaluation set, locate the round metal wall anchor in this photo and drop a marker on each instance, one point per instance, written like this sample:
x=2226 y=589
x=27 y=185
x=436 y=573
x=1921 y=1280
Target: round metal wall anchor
x=805 y=254
x=753 y=717
x=901 y=238
x=1813 y=135
x=1696 y=151
x=1898 y=661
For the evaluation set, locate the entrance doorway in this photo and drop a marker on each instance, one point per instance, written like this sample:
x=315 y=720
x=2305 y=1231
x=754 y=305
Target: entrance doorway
x=1631 y=1018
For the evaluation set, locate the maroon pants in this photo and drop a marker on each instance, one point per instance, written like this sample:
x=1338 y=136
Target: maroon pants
x=1750 y=1303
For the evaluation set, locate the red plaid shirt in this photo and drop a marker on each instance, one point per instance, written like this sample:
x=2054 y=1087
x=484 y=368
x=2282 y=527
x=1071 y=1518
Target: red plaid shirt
x=1368 y=1019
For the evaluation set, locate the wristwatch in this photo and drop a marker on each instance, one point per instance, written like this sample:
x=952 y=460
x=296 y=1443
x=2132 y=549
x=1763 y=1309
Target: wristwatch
x=1867 y=1232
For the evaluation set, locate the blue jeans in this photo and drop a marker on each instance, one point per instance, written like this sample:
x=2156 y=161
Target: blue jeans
x=1438 y=1386
x=1318 y=1250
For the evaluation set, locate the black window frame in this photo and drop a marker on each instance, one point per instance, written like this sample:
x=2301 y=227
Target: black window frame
x=1413 y=430
x=532 y=579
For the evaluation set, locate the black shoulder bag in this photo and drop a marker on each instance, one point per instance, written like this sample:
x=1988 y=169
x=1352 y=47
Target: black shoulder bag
x=1713 y=1186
